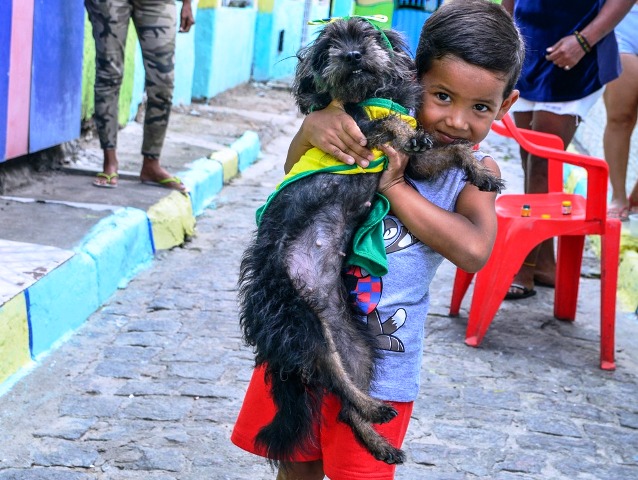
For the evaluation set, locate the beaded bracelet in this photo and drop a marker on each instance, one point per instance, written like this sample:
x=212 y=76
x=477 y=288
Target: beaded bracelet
x=582 y=41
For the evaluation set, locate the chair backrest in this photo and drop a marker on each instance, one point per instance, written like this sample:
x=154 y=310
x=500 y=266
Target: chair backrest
x=554 y=169
x=551 y=147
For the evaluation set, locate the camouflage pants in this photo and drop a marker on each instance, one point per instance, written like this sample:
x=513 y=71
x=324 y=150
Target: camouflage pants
x=155 y=23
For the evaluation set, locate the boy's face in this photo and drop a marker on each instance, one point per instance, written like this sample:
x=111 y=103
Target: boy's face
x=461 y=100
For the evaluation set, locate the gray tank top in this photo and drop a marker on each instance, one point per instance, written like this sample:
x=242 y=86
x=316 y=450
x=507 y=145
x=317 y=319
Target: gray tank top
x=396 y=305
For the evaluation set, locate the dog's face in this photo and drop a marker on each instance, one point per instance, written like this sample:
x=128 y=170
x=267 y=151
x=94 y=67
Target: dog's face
x=350 y=61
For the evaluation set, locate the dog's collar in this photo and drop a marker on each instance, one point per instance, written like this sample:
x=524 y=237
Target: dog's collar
x=385 y=103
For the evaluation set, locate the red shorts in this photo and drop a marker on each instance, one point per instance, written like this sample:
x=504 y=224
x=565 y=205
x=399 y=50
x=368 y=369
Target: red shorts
x=343 y=456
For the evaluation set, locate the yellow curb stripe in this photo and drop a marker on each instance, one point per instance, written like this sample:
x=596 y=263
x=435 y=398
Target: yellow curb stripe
x=14 y=336
x=172 y=221
x=229 y=160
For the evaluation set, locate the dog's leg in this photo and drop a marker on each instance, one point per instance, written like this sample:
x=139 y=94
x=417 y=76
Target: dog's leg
x=430 y=163
x=427 y=161
x=315 y=261
x=378 y=446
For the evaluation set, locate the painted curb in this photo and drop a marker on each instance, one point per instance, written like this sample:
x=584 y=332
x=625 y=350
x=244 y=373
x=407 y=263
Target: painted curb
x=172 y=220
x=120 y=245
x=115 y=250
x=14 y=341
x=229 y=161
x=247 y=147
x=205 y=179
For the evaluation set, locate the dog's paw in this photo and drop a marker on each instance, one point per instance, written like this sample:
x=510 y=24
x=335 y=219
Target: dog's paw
x=383 y=413
x=390 y=455
x=491 y=184
x=418 y=143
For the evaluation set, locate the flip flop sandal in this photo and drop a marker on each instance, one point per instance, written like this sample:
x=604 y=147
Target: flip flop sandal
x=525 y=292
x=109 y=179
x=165 y=183
x=621 y=214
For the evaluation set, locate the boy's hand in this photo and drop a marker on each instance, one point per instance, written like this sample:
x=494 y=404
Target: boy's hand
x=393 y=174
x=335 y=132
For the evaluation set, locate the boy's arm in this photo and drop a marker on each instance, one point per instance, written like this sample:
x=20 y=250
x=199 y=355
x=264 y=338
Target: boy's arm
x=333 y=131
x=464 y=237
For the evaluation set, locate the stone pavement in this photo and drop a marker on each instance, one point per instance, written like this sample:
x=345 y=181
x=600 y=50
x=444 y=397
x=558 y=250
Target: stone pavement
x=149 y=386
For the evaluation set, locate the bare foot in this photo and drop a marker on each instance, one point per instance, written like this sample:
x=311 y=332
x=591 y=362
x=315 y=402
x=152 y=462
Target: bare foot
x=153 y=174
x=545 y=279
x=108 y=177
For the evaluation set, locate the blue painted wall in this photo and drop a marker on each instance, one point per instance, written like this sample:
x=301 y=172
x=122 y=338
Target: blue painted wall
x=278 y=35
x=56 y=77
x=5 y=48
x=184 y=61
x=341 y=8
x=224 y=46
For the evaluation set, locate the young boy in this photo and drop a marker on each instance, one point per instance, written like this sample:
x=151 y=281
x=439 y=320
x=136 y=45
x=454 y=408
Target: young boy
x=468 y=60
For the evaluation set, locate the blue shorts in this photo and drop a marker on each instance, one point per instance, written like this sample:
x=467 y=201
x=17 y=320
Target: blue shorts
x=627 y=32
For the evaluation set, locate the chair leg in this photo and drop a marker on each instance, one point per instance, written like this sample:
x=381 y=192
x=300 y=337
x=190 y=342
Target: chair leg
x=490 y=287
x=610 y=249
x=568 y=264
x=462 y=282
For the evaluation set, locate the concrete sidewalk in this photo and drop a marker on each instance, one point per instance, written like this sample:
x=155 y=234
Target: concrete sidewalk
x=66 y=246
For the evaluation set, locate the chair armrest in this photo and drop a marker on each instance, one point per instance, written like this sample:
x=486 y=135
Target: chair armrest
x=597 y=168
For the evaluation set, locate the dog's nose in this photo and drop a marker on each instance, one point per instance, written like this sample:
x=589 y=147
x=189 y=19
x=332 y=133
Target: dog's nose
x=354 y=56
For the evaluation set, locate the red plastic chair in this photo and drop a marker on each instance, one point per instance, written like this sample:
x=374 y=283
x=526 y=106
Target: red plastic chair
x=518 y=235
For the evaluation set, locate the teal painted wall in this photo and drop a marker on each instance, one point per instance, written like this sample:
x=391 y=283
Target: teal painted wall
x=272 y=59
x=224 y=46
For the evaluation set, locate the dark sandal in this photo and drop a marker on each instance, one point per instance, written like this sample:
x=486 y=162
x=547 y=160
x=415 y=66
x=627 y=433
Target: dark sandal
x=525 y=292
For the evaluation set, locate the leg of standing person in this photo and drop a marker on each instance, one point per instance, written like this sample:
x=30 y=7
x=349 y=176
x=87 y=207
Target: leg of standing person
x=155 y=22
x=109 y=21
x=540 y=265
x=621 y=103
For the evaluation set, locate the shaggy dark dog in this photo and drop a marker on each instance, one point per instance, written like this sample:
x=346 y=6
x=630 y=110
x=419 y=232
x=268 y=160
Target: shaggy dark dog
x=294 y=306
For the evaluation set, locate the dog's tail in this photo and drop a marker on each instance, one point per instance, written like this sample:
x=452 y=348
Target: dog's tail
x=298 y=410
x=286 y=336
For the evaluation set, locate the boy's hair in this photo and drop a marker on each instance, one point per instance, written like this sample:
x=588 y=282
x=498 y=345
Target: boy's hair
x=478 y=32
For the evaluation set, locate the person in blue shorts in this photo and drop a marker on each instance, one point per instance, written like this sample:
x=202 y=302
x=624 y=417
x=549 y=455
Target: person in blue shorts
x=571 y=55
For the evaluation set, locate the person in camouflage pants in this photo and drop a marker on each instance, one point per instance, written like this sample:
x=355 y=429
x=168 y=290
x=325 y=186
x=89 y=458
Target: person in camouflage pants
x=155 y=22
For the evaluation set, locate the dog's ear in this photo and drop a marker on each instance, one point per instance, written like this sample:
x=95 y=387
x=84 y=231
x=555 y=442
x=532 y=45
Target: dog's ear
x=398 y=41
x=308 y=94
